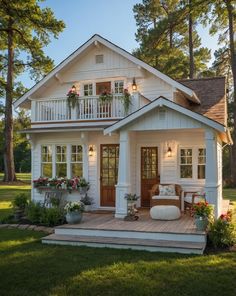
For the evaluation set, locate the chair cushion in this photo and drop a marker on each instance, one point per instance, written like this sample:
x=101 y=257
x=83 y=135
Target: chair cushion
x=171 y=197
x=188 y=198
x=168 y=190
x=165 y=212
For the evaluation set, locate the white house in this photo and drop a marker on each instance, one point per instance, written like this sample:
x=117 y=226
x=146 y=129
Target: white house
x=173 y=132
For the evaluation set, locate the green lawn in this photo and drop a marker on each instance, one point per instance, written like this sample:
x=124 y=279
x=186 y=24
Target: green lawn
x=25 y=177
x=29 y=268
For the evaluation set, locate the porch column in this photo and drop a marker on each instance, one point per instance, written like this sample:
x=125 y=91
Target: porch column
x=212 y=186
x=123 y=184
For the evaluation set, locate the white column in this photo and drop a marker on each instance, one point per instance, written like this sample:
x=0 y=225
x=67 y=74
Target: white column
x=212 y=186
x=123 y=185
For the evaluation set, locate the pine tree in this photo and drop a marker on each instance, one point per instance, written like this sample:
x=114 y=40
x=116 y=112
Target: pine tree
x=25 y=29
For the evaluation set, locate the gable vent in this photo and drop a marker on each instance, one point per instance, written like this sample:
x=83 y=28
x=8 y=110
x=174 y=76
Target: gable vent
x=99 y=58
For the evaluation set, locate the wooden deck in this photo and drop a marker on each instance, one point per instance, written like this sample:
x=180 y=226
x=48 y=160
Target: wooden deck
x=106 y=221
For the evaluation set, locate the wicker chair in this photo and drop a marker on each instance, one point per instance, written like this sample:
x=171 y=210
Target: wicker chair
x=156 y=199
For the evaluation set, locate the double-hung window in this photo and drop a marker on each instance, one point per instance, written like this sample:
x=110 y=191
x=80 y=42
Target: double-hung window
x=61 y=163
x=46 y=161
x=186 y=163
x=76 y=161
x=201 y=168
x=88 y=89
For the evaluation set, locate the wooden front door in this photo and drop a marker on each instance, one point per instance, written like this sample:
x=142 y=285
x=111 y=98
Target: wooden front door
x=109 y=174
x=149 y=173
x=103 y=86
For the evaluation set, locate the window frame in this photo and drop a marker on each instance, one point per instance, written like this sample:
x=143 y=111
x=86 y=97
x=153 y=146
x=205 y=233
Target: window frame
x=76 y=162
x=186 y=164
x=88 y=84
x=195 y=149
x=61 y=156
x=119 y=81
x=201 y=164
x=46 y=162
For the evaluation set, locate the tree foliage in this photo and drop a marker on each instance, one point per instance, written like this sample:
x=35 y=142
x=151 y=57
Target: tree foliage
x=26 y=29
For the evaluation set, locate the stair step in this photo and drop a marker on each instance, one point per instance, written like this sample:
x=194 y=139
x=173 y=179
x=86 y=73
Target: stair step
x=127 y=243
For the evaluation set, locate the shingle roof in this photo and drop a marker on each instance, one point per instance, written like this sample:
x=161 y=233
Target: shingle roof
x=212 y=94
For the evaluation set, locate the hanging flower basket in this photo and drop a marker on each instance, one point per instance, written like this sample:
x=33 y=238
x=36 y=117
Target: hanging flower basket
x=72 y=97
x=105 y=97
x=126 y=99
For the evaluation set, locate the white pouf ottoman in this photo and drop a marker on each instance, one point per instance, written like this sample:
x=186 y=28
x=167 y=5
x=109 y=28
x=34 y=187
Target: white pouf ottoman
x=165 y=213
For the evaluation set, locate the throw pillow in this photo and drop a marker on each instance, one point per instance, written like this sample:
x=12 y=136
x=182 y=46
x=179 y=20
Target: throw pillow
x=168 y=190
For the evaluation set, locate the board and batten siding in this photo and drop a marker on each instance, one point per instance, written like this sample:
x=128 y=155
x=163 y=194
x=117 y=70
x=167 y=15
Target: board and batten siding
x=115 y=67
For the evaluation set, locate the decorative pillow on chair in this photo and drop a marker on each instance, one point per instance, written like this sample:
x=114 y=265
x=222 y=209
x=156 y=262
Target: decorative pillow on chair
x=168 y=190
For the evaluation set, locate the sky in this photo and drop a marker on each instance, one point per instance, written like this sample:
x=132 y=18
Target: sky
x=112 y=19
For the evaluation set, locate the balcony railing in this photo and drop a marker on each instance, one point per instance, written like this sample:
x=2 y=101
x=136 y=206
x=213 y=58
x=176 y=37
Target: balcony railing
x=87 y=108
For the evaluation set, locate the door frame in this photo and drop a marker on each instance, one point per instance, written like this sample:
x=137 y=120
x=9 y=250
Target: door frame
x=140 y=146
x=100 y=173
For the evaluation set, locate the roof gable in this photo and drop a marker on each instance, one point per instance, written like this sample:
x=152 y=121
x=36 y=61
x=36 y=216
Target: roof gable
x=95 y=40
x=163 y=102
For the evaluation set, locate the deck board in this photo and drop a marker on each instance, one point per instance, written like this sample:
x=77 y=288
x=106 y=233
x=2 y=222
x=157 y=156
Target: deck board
x=106 y=221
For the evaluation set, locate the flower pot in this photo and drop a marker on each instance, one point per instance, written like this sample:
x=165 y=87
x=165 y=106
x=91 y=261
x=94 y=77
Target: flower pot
x=201 y=223
x=74 y=217
x=87 y=208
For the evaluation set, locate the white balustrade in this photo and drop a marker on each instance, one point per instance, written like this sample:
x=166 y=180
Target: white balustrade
x=87 y=108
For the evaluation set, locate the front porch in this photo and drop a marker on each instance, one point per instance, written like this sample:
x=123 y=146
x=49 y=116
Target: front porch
x=101 y=229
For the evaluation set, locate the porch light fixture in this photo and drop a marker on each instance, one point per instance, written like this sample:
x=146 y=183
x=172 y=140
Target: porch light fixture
x=134 y=85
x=169 y=152
x=90 y=150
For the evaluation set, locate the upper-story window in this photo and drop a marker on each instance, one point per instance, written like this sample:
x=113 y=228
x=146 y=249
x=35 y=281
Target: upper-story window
x=201 y=168
x=88 y=89
x=46 y=161
x=119 y=87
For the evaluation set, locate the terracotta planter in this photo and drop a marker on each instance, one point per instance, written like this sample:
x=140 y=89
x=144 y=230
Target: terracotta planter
x=74 y=217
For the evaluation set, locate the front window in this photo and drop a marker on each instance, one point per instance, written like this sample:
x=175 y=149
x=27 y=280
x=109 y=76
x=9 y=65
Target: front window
x=119 y=87
x=186 y=168
x=201 y=163
x=76 y=161
x=46 y=161
x=61 y=165
x=88 y=89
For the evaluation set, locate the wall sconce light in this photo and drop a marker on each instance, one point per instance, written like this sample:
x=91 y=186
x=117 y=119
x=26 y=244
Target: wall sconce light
x=134 y=85
x=90 y=150
x=169 y=152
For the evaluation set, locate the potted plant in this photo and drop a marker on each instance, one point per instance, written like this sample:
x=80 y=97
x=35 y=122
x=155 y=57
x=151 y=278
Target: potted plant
x=83 y=186
x=72 y=97
x=74 y=212
x=87 y=201
x=131 y=204
x=105 y=96
x=126 y=98
x=202 y=213
x=19 y=205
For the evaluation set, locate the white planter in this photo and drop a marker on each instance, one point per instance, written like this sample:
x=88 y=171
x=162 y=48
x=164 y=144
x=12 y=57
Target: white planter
x=87 y=208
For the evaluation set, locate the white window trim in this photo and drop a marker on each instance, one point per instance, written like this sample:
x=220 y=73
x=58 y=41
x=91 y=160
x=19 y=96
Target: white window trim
x=194 y=163
x=68 y=158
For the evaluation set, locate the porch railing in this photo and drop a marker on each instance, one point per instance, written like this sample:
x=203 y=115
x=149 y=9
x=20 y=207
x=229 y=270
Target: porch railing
x=87 y=108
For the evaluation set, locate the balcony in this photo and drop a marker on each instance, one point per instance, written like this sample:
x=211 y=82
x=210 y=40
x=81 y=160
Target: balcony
x=87 y=108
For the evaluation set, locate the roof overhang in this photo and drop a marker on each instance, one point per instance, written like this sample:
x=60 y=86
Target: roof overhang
x=160 y=102
x=94 y=40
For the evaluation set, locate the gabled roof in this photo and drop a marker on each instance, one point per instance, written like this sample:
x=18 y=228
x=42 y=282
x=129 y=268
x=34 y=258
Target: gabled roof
x=97 y=38
x=211 y=92
x=160 y=102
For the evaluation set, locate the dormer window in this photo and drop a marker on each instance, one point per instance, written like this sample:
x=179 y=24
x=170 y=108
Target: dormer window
x=99 y=58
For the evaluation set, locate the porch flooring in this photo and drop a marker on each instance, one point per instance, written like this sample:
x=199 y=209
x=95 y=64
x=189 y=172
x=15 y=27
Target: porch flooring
x=106 y=221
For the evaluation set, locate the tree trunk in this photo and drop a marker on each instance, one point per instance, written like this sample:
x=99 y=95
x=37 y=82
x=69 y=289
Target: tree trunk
x=9 y=166
x=230 y=10
x=190 y=41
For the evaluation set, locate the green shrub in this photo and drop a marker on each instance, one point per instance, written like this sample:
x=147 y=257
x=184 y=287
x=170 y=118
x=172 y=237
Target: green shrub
x=20 y=201
x=222 y=232
x=7 y=219
x=34 y=212
x=52 y=216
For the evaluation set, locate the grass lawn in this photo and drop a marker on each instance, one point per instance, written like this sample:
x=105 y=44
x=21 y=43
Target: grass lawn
x=25 y=177
x=29 y=268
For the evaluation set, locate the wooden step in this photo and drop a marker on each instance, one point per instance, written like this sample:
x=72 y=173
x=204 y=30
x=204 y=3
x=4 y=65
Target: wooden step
x=151 y=245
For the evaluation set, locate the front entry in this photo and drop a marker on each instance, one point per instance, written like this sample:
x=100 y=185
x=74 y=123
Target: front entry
x=149 y=173
x=109 y=174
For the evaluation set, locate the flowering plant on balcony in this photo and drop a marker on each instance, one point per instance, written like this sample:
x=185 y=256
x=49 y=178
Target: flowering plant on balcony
x=105 y=96
x=72 y=97
x=126 y=98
